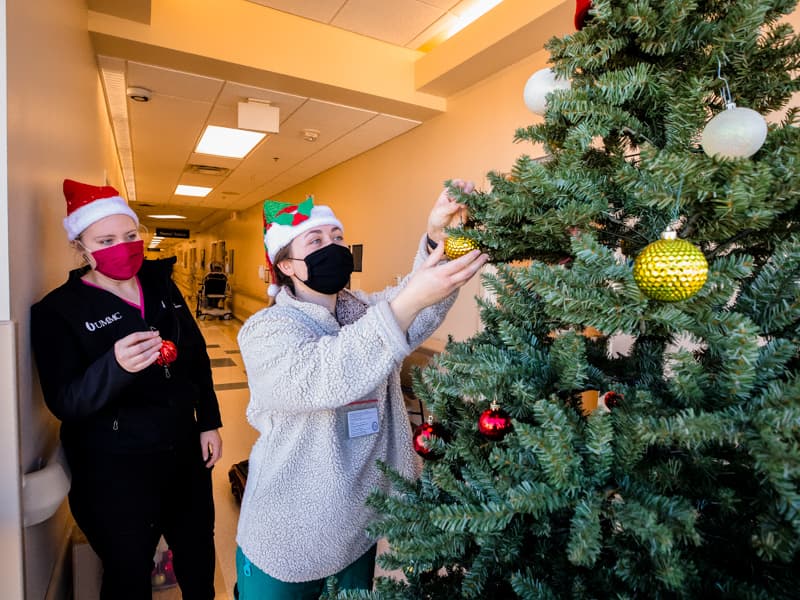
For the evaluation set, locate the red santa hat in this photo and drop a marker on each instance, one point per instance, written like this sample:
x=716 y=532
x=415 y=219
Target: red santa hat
x=283 y=222
x=581 y=12
x=87 y=204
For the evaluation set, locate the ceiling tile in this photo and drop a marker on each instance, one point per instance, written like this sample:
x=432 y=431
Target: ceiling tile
x=233 y=93
x=395 y=21
x=163 y=135
x=447 y=4
x=317 y=10
x=374 y=132
x=332 y=120
x=167 y=82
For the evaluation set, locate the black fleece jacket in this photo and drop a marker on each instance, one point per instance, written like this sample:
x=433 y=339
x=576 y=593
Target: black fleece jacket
x=101 y=406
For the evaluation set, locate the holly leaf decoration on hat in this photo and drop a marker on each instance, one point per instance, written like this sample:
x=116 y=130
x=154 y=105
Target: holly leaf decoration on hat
x=284 y=213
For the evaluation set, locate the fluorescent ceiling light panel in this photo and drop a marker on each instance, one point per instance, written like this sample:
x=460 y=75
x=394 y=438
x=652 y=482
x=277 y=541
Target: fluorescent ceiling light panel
x=228 y=142
x=192 y=190
x=166 y=216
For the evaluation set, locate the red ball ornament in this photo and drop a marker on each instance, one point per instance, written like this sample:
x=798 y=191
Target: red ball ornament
x=426 y=431
x=611 y=400
x=167 y=354
x=494 y=423
x=581 y=13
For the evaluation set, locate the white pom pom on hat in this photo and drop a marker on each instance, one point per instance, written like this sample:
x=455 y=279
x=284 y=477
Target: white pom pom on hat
x=283 y=222
x=87 y=204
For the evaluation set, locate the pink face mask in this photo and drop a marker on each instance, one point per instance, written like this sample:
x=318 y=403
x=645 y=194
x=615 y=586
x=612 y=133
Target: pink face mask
x=121 y=261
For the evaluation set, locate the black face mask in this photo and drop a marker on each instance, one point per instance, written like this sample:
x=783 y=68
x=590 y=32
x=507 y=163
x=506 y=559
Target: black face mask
x=329 y=268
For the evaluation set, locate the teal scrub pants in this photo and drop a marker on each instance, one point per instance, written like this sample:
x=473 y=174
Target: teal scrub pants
x=254 y=584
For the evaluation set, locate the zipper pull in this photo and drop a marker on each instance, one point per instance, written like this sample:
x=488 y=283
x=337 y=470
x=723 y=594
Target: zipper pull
x=115 y=426
x=167 y=374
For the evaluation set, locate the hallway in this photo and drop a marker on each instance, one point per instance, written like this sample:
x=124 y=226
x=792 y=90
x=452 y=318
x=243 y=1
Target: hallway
x=230 y=383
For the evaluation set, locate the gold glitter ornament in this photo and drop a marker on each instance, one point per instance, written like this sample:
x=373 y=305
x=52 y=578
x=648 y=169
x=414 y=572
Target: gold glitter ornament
x=670 y=269
x=458 y=246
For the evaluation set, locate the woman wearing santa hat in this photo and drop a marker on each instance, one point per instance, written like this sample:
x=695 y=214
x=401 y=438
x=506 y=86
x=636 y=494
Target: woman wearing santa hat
x=124 y=366
x=323 y=367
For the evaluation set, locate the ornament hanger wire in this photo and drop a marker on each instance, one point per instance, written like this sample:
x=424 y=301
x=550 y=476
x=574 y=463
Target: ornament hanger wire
x=725 y=92
x=677 y=209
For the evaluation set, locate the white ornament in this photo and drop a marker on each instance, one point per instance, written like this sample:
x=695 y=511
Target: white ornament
x=736 y=132
x=538 y=86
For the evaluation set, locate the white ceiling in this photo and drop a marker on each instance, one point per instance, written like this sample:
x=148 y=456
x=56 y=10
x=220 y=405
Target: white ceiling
x=165 y=130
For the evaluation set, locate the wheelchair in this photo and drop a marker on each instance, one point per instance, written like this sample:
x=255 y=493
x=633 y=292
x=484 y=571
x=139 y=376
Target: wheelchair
x=214 y=297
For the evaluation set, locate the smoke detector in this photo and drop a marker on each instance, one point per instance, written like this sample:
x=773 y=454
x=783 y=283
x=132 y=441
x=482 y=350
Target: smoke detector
x=310 y=135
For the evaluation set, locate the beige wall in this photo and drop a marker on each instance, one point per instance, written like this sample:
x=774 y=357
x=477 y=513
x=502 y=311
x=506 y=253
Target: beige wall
x=56 y=128
x=383 y=196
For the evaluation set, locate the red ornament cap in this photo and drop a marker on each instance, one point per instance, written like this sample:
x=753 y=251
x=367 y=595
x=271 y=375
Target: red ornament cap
x=581 y=11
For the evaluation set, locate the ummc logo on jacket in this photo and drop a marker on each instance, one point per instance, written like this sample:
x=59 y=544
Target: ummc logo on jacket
x=92 y=325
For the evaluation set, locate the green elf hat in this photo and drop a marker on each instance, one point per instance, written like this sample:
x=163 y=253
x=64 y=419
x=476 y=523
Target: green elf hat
x=283 y=222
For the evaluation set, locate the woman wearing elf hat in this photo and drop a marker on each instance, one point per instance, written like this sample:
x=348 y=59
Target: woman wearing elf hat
x=323 y=366
x=124 y=366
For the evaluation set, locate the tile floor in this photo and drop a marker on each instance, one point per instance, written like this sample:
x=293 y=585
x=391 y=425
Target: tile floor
x=230 y=383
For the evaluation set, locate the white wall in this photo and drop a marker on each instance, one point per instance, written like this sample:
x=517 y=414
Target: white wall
x=57 y=128
x=10 y=509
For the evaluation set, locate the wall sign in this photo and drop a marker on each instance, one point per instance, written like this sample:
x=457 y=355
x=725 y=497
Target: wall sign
x=172 y=233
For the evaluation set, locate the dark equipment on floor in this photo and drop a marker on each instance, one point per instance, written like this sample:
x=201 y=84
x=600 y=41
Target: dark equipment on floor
x=214 y=295
x=237 y=475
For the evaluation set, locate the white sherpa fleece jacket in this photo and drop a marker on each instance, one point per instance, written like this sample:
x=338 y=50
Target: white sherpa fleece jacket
x=303 y=514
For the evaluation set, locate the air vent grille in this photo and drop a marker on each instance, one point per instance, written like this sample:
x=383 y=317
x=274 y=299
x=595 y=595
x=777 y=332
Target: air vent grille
x=212 y=170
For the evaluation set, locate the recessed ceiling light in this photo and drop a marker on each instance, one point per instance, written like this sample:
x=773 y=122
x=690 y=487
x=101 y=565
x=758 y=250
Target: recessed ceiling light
x=166 y=216
x=139 y=94
x=192 y=190
x=231 y=143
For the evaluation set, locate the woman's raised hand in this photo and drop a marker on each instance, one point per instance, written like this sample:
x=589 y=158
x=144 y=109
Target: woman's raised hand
x=446 y=212
x=433 y=282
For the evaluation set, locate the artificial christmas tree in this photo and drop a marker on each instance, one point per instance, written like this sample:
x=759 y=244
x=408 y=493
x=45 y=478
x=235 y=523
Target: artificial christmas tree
x=687 y=488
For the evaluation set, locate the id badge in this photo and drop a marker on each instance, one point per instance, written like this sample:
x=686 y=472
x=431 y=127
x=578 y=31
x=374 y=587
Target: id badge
x=362 y=418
